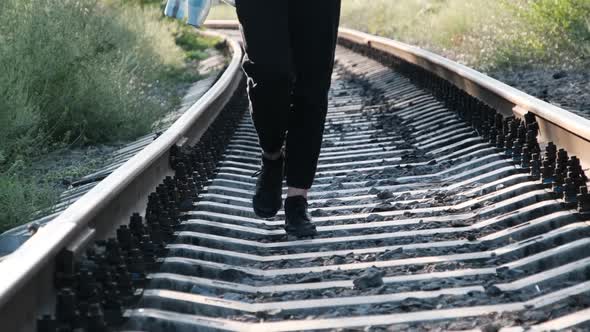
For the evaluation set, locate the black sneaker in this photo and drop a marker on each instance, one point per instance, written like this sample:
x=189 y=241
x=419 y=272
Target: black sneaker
x=269 y=188
x=297 y=220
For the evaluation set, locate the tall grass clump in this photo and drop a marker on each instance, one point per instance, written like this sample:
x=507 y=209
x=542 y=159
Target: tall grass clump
x=20 y=197
x=78 y=71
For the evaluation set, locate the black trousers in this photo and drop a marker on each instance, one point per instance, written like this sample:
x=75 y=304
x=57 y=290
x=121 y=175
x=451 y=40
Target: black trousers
x=289 y=60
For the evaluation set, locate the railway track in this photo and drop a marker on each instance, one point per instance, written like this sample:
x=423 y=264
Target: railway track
x=440 y=206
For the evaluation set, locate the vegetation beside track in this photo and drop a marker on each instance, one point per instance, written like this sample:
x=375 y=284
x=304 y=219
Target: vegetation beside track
x=80 y=73
x=483 y=34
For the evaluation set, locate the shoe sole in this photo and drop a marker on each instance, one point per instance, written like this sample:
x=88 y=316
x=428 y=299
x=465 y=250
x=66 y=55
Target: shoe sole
x=266 y=213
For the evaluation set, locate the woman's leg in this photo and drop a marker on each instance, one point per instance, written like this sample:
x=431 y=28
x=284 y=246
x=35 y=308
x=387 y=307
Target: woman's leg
x=267 y=65
x=313 y=27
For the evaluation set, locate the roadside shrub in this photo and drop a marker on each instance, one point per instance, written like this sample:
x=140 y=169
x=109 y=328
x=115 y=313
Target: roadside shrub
x=555 y=31
x=563 y=18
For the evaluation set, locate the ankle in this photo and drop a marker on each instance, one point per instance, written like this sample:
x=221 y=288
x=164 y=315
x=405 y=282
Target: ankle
x=292 y=192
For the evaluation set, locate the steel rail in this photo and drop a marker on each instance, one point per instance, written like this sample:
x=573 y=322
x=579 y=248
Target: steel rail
x=564 y=128
x=25 y=276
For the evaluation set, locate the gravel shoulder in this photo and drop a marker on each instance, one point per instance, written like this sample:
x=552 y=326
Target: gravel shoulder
x=568 y=89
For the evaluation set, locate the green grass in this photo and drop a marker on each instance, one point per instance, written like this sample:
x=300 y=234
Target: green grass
x=192 y=42
x=77 y=73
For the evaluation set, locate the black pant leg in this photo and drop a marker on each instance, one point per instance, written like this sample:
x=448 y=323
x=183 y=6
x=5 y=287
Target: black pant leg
x=313 y=27
x=267 y=64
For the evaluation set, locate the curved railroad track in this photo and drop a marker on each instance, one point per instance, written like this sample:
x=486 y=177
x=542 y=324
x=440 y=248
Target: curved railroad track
x=445 y=200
